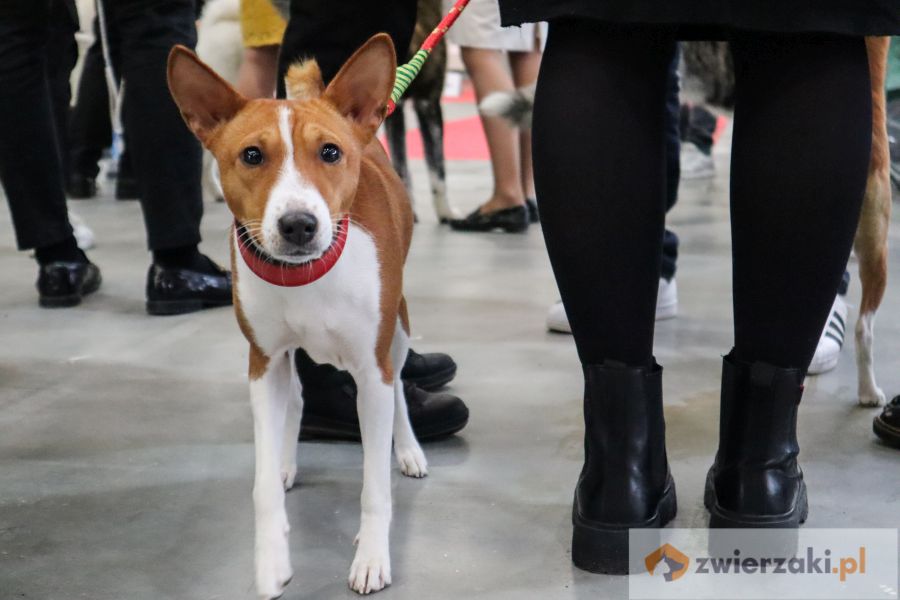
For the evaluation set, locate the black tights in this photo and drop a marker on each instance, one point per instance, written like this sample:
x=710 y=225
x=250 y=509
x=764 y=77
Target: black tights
x=802 y=136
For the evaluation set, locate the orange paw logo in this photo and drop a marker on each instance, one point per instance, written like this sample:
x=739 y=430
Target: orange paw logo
x=675 y=560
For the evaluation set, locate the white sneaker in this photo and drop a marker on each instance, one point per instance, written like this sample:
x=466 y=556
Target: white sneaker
x=695 y=164
x=829 y=349
x=666 y=300
x=84 y=235
x=666 y=308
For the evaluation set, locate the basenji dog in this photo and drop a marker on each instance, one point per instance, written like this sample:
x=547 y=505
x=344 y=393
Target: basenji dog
x=321 y=231
x=871 y=241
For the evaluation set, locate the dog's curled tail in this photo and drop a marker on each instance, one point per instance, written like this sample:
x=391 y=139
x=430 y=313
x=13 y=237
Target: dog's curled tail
x=304 y=80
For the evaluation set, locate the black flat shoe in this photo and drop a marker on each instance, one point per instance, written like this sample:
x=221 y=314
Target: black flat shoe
x=755 y=480
x=887 y=425
x=531 y=205
x=430 y=371
x=81 y=187
x=510 y=220
x=625 y=481
x=61 y=284
x=178 y=291
x=329 y=411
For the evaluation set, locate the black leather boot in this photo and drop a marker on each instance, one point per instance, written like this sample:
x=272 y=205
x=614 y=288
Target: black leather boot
x=625 y=481
x=755 y=480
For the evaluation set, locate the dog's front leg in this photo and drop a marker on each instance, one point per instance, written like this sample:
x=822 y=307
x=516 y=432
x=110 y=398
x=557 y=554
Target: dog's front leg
x=269 y=397
x=291 y=426
x=371 y=568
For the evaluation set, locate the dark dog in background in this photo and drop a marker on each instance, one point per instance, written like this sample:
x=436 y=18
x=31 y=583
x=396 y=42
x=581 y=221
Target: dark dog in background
x=425 y=93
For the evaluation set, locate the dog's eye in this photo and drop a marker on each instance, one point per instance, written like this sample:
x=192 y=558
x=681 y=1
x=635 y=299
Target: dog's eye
x=251 y=156
x=330 y=153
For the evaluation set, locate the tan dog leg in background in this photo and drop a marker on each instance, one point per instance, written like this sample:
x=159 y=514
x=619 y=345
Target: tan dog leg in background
x=871 y=236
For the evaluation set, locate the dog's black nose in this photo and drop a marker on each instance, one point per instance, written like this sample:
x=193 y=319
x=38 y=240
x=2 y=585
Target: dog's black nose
x=298 y=227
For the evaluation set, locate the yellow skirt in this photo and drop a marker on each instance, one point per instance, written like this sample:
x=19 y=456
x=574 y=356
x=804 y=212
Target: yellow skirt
x=261 y=24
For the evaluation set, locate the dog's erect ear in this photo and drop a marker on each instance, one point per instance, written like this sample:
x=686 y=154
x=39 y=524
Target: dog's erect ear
x=205 y=100
x=362 y=87
x=304 y=81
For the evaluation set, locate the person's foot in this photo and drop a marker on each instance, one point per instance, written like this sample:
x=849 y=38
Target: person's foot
x=84 y=235
x=625 y=481
x=695 y=164
x=887 y=425
x=666 y=299
x=755 y=480
x=510 y=220
x=828 y=351
x=80 y=186
x=430 y=371
x=64 y=283
x=531 y=205
x=666 y=307
x=175 y=290
x=329 y=410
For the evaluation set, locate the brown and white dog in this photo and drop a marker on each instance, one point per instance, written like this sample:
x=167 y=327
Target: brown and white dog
x=871 y=239
x=322 y=229
x=872 y=234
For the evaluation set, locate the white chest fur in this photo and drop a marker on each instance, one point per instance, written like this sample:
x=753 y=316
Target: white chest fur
x=335 y=319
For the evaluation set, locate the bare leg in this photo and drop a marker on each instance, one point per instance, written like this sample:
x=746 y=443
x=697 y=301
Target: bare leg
x=489 y=73
x=258 y=72
x=525 y=67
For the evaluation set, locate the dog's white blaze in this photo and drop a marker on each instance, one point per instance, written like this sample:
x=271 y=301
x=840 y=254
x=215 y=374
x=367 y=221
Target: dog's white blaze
x=293 y=192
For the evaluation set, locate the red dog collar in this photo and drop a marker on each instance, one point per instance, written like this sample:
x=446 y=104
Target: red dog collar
x=287 y=274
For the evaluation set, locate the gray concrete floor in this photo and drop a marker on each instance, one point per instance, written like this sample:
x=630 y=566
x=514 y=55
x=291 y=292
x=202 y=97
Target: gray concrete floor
x=126 y=440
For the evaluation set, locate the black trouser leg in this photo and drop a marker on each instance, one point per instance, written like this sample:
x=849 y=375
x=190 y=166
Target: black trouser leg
x=30 y=163
x=89 y=127
x=802 y=137
x=330 y=31
x=166 y=156
x=603 y=203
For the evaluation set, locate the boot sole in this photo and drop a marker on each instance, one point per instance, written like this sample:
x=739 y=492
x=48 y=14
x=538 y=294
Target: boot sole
x=887 y=434
x=722 y=518
x=180 y=307
x=600 y=549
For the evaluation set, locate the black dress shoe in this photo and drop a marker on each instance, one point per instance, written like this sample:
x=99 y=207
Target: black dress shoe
x=887 y=425
x=625 y=481
x=127 y=188
x=329 y=411
x=755 y=480
x=173 y=291
x=62 y=284
x=531 y=205
x=81 y=187
x=430 y=371
x=510 y=220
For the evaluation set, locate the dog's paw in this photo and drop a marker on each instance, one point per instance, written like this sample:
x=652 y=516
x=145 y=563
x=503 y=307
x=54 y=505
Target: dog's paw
x=370 y=571
x=872 y=398
x=273 y=564
x=288 y=476
x=412 y=461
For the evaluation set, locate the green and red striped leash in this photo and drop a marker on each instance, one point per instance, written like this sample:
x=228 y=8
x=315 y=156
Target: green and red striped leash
x=407 y=72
